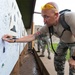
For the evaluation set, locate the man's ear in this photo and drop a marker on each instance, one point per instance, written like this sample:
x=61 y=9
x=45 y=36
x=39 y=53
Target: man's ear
x=56 y=15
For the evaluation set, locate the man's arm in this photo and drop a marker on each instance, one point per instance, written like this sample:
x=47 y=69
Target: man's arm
x=26 y=38
x=10 y=38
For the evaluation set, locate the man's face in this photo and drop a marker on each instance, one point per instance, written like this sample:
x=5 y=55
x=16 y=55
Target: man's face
x=49 y=17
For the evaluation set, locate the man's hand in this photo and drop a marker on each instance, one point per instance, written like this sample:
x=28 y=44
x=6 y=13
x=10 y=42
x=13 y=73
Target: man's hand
x=72 y=63
x=8 y=38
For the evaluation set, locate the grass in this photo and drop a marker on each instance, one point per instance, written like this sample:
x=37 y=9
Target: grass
x=68 y=51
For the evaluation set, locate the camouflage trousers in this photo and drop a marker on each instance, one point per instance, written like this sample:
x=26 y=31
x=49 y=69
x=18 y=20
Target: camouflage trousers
x=59 y=60
x=44 y=48
x=39 y=45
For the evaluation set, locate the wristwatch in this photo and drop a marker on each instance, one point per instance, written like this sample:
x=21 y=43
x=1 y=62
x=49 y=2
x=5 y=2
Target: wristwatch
x=14 y=40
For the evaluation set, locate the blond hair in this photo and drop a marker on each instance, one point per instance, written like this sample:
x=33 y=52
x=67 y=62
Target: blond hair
x=51 y=5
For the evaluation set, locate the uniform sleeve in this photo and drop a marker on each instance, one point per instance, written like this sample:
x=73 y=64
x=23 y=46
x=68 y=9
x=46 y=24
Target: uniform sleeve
x=70 y=19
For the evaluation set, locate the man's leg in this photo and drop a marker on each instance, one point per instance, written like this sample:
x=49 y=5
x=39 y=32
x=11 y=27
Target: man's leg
x=48 y=50
x=43 y=50
x=59 y=60
x=38 y=44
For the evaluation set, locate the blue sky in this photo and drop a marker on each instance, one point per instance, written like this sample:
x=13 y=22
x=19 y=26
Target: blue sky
x=62 y=4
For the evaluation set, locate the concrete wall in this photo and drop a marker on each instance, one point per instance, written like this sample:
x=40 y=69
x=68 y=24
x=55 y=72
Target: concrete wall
x=10 y=23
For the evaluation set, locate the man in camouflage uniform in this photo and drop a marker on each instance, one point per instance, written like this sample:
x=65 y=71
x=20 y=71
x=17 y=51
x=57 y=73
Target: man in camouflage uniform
x=46 y=44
